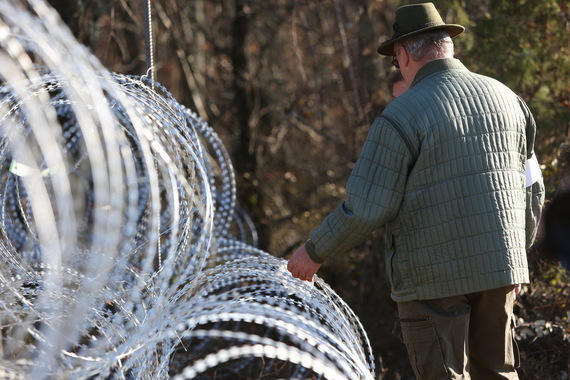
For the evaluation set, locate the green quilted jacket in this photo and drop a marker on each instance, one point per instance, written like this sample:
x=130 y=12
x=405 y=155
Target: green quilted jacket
x=443 y=168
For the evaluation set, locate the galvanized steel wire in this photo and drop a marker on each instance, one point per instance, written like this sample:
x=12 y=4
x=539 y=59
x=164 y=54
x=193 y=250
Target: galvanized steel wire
x=122 y=254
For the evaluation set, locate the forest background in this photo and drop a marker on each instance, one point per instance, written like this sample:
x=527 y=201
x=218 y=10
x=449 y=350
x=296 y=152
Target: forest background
x=292 y=86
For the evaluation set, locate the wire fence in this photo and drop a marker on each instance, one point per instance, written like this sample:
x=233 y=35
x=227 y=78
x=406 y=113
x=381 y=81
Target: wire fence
x=123 y=253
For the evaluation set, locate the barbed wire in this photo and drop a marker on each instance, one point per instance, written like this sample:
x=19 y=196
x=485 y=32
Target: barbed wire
x=123 y=253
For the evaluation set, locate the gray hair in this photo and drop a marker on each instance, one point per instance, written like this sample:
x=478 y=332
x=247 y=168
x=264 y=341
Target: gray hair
x=430 y=45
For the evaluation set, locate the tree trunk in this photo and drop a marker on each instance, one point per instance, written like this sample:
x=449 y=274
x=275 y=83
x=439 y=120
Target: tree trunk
x=249 y=194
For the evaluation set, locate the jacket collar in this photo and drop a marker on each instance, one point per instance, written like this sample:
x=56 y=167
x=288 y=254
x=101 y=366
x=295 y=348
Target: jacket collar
x=433 y=67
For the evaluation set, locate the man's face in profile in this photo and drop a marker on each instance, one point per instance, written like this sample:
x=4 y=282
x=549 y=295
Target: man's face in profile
x=399 y=88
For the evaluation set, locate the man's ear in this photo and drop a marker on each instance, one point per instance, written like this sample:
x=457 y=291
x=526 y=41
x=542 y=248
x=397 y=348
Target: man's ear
x=403 y=56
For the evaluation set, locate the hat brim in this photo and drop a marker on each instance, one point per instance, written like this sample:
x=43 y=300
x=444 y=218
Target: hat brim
x=387 y=47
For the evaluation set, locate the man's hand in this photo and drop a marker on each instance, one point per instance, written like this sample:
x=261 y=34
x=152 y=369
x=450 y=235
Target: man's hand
x=301 y=266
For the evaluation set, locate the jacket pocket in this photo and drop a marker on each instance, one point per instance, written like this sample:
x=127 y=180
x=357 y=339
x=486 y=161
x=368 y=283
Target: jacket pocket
x=424 y=349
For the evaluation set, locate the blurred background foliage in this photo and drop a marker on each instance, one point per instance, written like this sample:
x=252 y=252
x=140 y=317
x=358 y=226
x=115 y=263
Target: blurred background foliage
x=291 y=86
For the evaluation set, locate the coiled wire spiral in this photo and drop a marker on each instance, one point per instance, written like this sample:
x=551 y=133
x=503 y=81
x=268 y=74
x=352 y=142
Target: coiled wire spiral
x=122 y=254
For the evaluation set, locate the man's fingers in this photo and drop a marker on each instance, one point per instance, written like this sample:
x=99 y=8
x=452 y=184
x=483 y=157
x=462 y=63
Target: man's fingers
x=295 y=273
x=301 y=266
x=301 y=275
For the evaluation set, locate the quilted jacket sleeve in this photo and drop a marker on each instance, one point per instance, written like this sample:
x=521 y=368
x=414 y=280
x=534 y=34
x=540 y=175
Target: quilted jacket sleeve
x=534 y=203
x=374 y=189
x=535 y=187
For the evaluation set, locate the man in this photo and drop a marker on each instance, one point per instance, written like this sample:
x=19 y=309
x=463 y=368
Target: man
x=556 y=229
x=443 y=168
x=397 y=84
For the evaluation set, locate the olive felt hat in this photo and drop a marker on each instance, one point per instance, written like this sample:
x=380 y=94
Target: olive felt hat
x=413 y=19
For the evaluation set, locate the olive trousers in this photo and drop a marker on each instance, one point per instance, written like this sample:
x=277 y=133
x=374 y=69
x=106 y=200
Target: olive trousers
x=468 y=336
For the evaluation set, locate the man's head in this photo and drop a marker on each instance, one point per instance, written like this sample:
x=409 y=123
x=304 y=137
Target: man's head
x=415 y=19
x=426 y=46
x=420 y=36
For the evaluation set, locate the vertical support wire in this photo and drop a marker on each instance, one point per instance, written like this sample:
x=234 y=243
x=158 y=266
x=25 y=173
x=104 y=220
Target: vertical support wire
x=148 y=41
x=150 y=75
